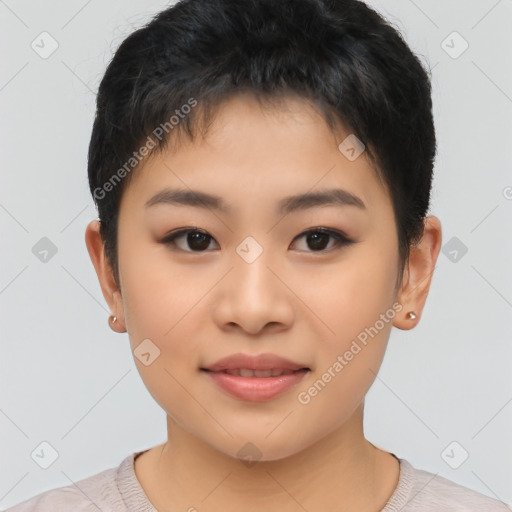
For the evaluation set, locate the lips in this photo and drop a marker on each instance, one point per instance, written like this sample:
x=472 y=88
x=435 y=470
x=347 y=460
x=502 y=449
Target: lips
x=256 y=378
x=262 y=365
x=247 y=372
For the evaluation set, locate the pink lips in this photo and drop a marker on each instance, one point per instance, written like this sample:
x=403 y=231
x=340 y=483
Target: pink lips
x=256 y=378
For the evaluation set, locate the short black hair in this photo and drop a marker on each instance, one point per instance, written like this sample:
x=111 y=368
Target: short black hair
x=171 y=75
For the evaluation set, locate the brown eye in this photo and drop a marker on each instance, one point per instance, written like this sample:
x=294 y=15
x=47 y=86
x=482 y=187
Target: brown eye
x=196 y=240
x=318 y=239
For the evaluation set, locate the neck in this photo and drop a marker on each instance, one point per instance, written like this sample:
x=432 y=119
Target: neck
x=343 y=471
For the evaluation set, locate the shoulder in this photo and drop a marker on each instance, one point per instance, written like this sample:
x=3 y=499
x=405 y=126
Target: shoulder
x=419 y=491
x=63 y=499
x=91 y=494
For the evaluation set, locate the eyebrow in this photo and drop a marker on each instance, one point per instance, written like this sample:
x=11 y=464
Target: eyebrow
x=299 y=202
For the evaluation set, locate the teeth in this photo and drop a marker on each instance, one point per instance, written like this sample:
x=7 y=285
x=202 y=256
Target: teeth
x=262 y=373
x=247 y=372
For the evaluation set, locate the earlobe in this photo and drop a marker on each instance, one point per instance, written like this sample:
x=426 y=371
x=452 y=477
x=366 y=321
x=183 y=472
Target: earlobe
x=418 y=274
x=115 y=324
x=95 y=247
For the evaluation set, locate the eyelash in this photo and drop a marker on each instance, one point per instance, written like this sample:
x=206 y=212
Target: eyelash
x=340 y=238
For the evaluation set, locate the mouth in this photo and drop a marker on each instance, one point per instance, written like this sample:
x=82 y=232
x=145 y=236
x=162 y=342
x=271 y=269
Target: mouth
x=261 y=365
x=255 y=385
x=255 y=378
x=251 y=373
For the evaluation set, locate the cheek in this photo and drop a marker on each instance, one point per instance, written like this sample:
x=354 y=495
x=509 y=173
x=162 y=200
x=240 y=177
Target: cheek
x=346 y=368
x=163 y=311
x=350 y=295
x=157 y=294
x=355 y=301
x=161 y=305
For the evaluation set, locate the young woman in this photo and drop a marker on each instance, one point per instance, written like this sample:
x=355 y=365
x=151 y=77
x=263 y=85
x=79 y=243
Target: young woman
x=262 y=172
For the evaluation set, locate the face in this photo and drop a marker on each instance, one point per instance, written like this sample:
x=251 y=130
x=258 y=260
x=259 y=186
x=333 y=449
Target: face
x=255 y=272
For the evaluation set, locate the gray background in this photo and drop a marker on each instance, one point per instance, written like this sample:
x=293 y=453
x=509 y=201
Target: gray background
x=70 y=381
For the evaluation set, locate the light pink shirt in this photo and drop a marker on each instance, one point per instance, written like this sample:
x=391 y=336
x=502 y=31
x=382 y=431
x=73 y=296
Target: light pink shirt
x=118 y=490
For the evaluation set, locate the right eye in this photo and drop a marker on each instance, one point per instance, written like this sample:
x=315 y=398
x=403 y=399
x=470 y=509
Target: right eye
x=196 y=239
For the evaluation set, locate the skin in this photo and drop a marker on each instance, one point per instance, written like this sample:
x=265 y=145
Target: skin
x=302 y=304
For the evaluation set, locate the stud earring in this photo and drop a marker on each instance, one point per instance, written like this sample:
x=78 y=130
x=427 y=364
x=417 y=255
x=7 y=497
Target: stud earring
x=411 y=315
x=115 y=325
x=111 y=321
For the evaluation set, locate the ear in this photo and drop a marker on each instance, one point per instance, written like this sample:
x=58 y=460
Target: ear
x=418 y=274
x=95 y=247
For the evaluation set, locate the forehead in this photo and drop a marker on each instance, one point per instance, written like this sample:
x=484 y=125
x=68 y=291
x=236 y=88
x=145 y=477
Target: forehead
x=255 y=153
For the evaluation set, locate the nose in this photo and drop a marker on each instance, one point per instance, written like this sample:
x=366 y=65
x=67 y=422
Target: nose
x=253 y=297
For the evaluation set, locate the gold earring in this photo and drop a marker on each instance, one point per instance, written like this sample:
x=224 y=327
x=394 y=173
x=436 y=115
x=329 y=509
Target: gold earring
x=411 y=315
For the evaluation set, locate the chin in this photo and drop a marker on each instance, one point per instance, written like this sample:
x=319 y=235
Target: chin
x=258 y=449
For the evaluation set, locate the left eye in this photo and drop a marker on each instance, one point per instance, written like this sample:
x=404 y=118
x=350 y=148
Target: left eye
x=317 y=238
x=199 y=240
